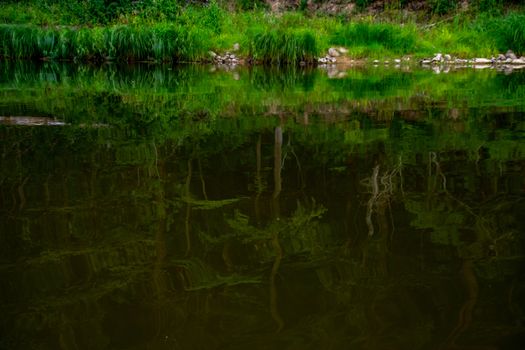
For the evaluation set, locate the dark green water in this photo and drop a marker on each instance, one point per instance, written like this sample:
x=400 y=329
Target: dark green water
x=152 y=207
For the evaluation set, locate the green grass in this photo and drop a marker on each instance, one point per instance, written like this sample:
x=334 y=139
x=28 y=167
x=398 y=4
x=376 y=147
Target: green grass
x=508 y=32
x=172 y=33
x=284 y=46
x=482 y=36
x=367 y=38
x=162 y=42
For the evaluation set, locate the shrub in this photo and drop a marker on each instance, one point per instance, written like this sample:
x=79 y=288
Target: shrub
x=488 y=5
x=251 y=4
x=441 y=7
x=363 y=3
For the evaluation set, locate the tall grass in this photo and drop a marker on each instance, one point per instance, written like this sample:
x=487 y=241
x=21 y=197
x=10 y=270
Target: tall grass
x=161 y=42
x=377 y=37
x=284 y=46
x=126 y=43
x=287 y=38
x=508 y=32
x=483 y=36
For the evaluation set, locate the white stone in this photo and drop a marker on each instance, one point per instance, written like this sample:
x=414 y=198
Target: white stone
x=438 y=58
x=236 y=47
x=332 y=73
x=333 y=52
x=510 y=54
x=342 y=50
x=397 y=60
x=448 y=57
x=482 y=60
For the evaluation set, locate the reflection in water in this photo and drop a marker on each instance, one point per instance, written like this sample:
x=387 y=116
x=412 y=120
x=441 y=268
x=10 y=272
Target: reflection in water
x=188 y=207
x=465 y=314
x=283 y=211
x=275 y=235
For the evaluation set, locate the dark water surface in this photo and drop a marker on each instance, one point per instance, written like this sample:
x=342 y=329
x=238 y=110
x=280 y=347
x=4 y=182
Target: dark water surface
x=156 y=207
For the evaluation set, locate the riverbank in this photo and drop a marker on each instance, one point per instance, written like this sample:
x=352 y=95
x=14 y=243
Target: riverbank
x=201 y=34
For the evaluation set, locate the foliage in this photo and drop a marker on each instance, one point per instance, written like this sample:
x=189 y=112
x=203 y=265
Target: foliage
x=156 y=10
x=167 y=30
x=303 y=5
x=441 y=7
x=284 y=46
x=162 y=42
x=363 y=3
x=508 y=32
x=489 y=5
x=381 y=35
x=250 y=4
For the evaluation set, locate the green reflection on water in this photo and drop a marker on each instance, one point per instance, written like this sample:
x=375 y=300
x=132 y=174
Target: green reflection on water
x=179 y=208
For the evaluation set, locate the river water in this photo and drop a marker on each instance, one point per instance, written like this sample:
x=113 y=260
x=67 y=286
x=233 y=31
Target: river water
x=190 y=207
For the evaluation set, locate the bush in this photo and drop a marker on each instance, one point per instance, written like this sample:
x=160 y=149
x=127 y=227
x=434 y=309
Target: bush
x=363 y=3
x=441 y=7
x=488 y=5
x=94 y=11
x=245 y=5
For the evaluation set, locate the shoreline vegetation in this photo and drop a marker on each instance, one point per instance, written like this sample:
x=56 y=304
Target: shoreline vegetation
x=169 y=31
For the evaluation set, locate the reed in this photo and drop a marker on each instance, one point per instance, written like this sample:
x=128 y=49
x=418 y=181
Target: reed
x=509 y=32
x=164 y=42
x=377 y=36
x=283 y=46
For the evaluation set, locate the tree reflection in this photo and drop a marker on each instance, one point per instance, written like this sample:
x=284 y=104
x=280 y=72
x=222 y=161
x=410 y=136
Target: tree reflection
x=357 y=244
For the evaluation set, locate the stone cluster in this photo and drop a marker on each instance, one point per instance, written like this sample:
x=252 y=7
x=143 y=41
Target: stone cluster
x=332 y=54
x=396 y=61
x=227 y=58
x=509 y=58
